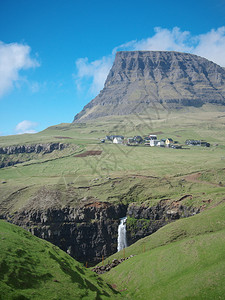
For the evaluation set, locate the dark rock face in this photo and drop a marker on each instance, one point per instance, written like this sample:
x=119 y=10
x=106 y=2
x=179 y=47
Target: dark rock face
x=142 y=80
x=85 y=233
x=146 y=220
x=18 y=149
x=89 y=232
x=46 y=148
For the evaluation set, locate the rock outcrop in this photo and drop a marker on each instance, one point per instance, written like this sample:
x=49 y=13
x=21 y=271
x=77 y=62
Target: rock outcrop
x=143 y=221
x=106 y=268
x=140 y=81
x=8 y=151
x=37 y=148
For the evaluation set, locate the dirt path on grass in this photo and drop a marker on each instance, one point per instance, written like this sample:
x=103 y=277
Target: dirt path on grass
x=195 y=178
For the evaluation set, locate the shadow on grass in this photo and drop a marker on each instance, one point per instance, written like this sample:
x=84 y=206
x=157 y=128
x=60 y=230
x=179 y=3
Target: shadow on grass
x=83 y=283
x=22 y=277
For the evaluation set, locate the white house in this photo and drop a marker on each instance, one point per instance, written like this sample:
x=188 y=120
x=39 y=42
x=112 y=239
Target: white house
x=153 y=143
x=118 y=140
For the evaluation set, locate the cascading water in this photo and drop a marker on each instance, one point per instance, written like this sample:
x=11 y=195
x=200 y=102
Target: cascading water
x=122 y=234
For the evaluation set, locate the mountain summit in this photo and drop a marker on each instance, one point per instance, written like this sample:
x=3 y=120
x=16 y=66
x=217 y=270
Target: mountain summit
x=141 y=80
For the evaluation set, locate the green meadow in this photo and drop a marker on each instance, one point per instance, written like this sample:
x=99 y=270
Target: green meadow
x=154 y=172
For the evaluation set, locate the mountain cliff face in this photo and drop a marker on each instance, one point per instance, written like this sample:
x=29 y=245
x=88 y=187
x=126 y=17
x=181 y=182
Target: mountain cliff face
x=139 y=81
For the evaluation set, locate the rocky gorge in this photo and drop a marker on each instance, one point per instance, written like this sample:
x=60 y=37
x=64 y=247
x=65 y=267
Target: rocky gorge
x=90 y=232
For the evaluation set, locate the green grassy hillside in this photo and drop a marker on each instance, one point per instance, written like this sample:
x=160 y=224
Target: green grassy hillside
x=31 y=268
x=159 y=172
x=183 y=260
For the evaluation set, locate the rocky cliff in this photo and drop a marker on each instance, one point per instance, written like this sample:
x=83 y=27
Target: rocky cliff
x=90 y=231
x=37 y=148
x=7 y=152
x=140 y=81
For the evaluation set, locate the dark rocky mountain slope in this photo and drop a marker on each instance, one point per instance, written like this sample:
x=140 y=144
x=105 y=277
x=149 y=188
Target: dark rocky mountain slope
x=142 y=80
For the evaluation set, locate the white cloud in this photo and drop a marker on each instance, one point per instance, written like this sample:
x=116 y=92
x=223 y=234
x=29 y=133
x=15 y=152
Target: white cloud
x=96 y=70
x=13 y=58
x=26 y=127
x=210 y=45
x=165 y=39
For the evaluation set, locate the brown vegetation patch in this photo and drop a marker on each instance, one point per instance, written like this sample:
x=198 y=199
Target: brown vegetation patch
x=98 y=204
x=195 y=178
x=114 y=286
x=89 y=153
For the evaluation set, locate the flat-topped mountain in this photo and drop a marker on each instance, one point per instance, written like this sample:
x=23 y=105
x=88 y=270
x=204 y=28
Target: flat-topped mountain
x=141 y=80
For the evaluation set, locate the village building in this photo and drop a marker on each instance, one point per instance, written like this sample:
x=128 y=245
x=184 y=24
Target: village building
x=130 y=140
x=138 y=139
x=153 y=137
x=161 y=144
x=193 y=142
x=153 y=143
x=112 y=137
x=168 y=142
x=118 y=140
x=197 y=143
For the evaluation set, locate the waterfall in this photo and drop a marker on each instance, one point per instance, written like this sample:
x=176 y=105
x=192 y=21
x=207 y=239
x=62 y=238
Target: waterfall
x=122 y=234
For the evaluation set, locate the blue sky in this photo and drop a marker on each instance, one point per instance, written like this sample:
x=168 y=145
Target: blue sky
x=55 y=55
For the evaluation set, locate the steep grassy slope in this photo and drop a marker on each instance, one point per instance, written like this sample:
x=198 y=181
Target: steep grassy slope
x=31 y=268
x=183 y=260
